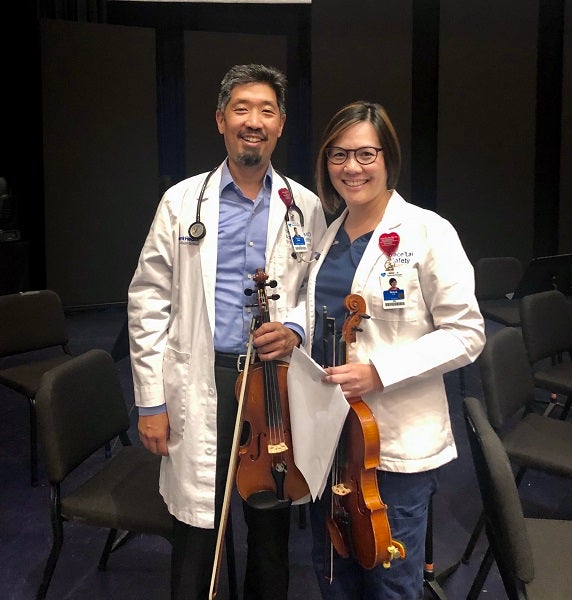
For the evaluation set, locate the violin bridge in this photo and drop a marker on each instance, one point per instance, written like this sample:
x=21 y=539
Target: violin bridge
x=341 y=489
x=277 y=448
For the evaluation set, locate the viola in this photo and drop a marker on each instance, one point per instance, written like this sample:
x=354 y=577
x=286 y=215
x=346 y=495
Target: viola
x=266 y=476
x=358 y=525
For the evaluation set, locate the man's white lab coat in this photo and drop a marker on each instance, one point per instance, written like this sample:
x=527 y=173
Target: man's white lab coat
x=171 y=323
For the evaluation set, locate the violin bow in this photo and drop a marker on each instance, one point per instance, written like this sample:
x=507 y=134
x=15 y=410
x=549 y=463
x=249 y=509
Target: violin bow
x=231 y=469
x=329 y=348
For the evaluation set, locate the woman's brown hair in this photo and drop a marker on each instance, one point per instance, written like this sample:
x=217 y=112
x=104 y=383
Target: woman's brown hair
x=352 y=114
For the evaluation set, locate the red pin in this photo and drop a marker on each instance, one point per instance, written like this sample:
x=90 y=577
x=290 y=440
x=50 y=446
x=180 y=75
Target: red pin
x=285 y=196
x=389 y=242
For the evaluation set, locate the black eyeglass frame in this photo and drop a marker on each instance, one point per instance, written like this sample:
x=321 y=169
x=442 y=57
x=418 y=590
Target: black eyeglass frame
x=355 y=151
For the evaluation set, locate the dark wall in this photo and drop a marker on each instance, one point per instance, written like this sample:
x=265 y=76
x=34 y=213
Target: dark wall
x=205 y=146
x=487 y=124
x=126 y=108
x=20 y=141
x=480 y=93
x=480 y=96
x=101 y=180
x=363 y=54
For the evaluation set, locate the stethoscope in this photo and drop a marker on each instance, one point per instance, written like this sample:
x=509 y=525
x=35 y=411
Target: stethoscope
x=197 y=230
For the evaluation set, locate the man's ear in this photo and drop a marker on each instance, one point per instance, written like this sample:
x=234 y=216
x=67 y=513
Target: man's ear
x=219 y=116
x=283 y=119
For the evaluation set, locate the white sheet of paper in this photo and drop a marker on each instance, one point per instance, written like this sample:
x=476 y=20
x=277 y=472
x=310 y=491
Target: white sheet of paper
x=317 y=414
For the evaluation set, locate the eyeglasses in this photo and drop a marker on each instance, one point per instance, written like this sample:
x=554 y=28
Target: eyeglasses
x=365 y=155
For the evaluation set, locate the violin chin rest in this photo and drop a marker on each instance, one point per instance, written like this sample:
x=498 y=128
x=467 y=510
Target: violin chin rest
x=267 y=500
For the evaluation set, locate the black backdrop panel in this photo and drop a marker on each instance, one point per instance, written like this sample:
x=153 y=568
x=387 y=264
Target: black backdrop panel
x=363 y=54
x=100 y=156
x=208 y=55
x=487 y=124
x=565 y=220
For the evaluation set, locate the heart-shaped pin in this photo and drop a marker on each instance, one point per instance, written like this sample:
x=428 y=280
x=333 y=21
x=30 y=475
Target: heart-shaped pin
x=286 y=197
x=388 y=243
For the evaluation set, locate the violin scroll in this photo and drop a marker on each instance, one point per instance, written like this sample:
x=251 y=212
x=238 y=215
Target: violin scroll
x=356 y=308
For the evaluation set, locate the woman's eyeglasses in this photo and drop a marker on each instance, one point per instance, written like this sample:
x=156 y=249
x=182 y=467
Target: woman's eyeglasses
x=365 y=155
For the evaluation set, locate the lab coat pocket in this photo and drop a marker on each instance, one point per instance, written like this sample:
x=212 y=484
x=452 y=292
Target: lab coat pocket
x=176 y=369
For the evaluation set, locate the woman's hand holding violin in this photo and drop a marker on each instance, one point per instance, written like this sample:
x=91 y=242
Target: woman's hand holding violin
x=355 y=379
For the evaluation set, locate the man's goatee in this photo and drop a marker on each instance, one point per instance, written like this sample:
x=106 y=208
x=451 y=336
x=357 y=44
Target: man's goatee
x=249 y=159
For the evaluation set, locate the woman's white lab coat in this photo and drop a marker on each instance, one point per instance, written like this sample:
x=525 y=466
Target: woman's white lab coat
x=440 y=329
x=171 y=312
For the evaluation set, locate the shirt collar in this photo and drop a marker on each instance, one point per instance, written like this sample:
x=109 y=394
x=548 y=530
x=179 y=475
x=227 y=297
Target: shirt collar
x=226 y=178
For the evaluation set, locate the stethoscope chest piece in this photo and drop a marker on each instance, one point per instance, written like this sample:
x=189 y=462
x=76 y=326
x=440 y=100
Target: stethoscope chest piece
x=197 y=231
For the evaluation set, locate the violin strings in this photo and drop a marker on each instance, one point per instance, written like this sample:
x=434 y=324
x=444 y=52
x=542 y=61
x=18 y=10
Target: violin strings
x=273 y=406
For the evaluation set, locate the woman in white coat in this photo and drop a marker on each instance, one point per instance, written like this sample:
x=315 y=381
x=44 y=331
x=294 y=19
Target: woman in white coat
x=426 y=324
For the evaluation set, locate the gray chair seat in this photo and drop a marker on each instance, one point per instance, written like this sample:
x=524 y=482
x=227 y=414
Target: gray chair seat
x=135 y=505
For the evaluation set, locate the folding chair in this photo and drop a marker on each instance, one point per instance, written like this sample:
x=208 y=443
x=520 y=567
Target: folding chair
x=529 y=571
x=531 y=440
x=496 y=278
x=29 y=322
x=546 y=320
x=80 y=408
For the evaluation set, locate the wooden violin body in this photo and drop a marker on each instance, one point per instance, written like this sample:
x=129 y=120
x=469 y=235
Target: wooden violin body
x=358 y=524
x=267 y=477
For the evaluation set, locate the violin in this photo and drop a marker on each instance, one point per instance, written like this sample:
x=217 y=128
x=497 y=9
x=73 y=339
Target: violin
x=358 y=525
x=266 y=476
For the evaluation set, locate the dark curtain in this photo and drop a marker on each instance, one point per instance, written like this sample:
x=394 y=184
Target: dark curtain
x=89 y=11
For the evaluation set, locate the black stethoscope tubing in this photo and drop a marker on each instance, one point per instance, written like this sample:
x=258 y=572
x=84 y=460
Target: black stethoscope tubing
x=197 y=230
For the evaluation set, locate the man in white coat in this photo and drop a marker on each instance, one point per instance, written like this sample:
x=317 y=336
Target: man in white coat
x=189 y=322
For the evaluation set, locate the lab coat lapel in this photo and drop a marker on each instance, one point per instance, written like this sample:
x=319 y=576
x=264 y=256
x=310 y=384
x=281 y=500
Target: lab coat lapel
x=209 y=244
x=276 y=216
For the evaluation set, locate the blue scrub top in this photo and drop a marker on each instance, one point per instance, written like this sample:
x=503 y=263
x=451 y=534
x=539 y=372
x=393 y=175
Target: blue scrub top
x=333 y=284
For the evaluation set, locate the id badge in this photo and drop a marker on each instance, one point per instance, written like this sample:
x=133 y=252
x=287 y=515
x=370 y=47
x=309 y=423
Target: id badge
x=297 y=236
x=393 y=294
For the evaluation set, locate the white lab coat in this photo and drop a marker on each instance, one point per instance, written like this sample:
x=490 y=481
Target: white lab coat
x=439 y=330
x=171 y=311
